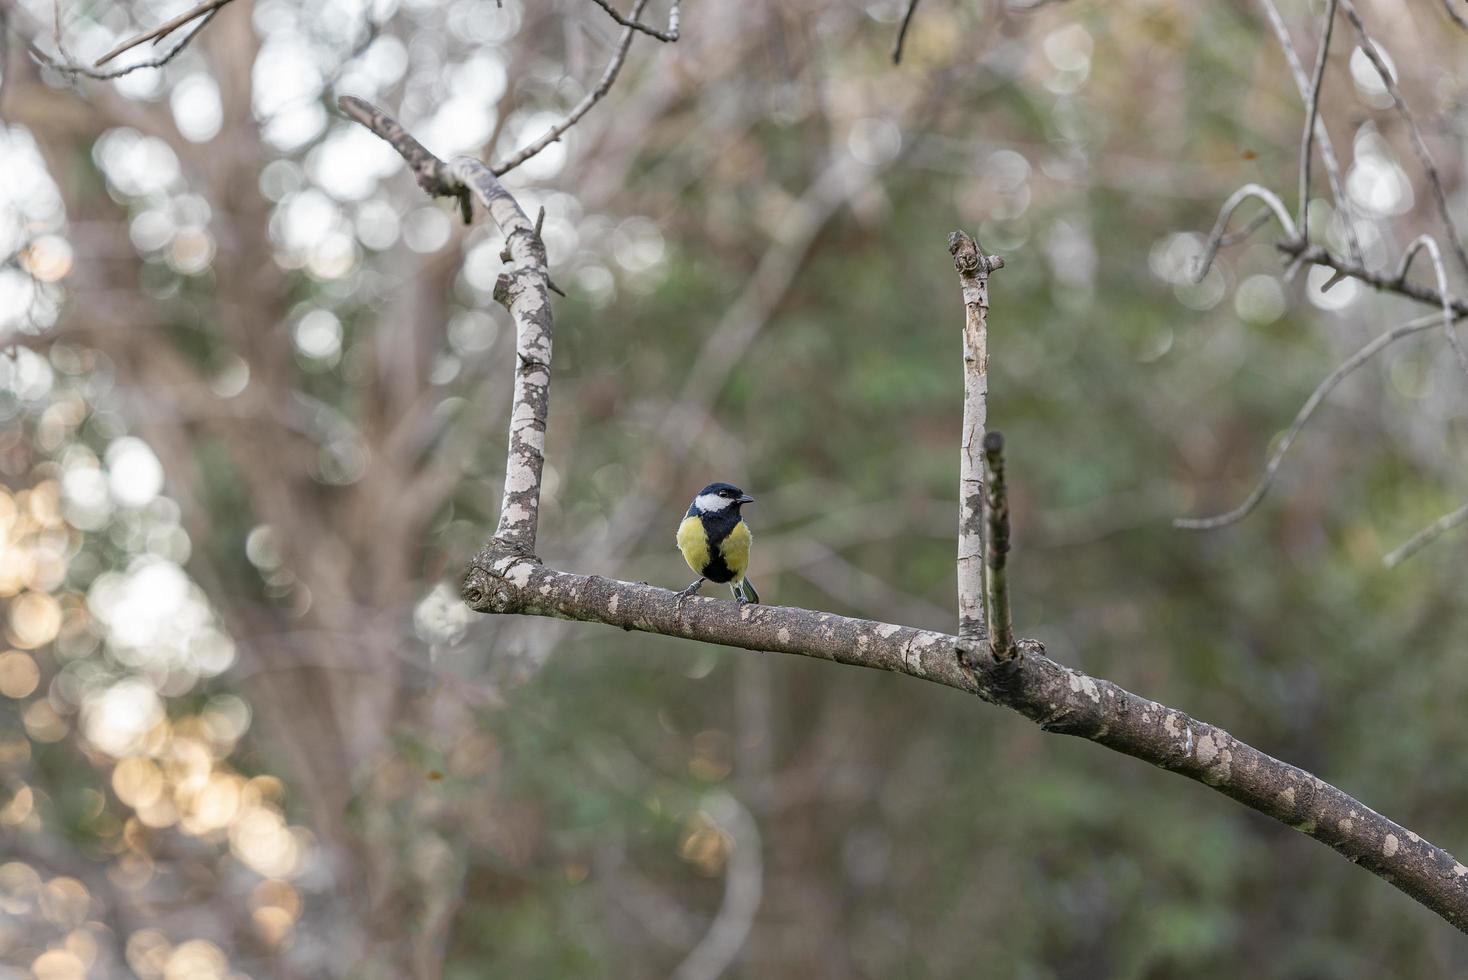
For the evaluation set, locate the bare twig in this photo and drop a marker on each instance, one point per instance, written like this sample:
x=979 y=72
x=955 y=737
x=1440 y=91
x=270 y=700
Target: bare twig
x=1388 y=284
x=669 y=35
x=1429 y=244
x=1458 y=18
x=207 y=8
x=71 y=68
x=1424 y=156
x=1426 y=536
x=1327 y=150
x=1317 y=397
x=1312 y=115
x=973 y=276
x=902 y=31
x=619 y=56
x=1216 y=236
x=996 y=507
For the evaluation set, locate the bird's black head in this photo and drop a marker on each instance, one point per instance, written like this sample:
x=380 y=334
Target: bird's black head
x=718 y=496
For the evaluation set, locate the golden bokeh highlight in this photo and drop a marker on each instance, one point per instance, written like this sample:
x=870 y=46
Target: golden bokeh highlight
x=14 y=813
x=35 y=619
x=19 y=675
x=197 y=959
x=58 y=964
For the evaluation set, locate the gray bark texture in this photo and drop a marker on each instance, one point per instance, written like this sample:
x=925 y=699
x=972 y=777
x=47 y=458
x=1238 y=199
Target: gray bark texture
x=506 y=578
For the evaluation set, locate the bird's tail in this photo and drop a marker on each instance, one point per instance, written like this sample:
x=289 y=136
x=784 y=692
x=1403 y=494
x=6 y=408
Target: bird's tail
x=747 y=587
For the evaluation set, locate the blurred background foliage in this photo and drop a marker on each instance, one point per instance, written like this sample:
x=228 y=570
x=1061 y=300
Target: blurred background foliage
x=251 y=427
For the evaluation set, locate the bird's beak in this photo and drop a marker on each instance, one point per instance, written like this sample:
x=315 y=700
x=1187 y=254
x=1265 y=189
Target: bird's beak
x=746 y=499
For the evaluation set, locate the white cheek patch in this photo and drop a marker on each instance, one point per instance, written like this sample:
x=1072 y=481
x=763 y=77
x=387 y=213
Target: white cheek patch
x=709 y=502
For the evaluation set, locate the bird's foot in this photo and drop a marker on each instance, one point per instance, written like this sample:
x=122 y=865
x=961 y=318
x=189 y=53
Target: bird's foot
x=689 y=592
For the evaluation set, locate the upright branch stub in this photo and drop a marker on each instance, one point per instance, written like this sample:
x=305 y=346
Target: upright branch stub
x=973 y=276
x=996 y=509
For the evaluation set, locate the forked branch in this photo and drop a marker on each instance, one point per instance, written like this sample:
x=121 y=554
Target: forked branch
x=507 y=578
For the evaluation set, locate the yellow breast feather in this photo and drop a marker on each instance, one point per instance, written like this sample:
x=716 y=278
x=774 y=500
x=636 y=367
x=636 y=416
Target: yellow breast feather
x=735 y=548
x=694 y=544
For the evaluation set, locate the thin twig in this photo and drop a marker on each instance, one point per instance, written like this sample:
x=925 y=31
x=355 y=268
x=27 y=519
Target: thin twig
x=670 y=35
x=996 y=508
x=1317 y=255
x=208 y=7
x=1317 y=397
x=902 y=31
x=584 y=106
x=1312 y=114
x=1215 y=237
x=1327 y=149
x=1429 y=244
x=1419 y=145
x=71 y=68
x=1426 y=536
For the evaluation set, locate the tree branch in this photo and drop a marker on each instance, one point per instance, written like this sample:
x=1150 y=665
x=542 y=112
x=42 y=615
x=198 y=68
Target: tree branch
x=505 y=577
x=670 y=35
x=1317 y=397
x=1426 y=536
x=524 y=292
x=1056 y=697
x=206 y=9
x=619 y=55
x=973 y=276
x=996 y=509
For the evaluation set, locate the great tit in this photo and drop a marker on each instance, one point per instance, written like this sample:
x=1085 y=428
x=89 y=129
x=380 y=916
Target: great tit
x=715 y=540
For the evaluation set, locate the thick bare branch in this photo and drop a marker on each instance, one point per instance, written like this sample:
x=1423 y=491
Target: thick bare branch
x=608 y=76
x=524 y=292
x=973 y=276
x=1056 y=697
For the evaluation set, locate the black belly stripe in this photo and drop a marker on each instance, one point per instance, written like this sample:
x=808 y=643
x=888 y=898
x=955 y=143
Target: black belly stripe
x=716 y=527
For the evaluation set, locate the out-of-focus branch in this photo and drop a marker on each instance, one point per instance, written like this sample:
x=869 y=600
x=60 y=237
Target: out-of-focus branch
x=206 y=9
x=1317 y=397
x=973 y=276
x=744 y=878
x=1419 y=146
x=669 y=35
x=1426 y=536
x=902 y=31
x=1312 y=114
x=1322 y=136
x=608 y=76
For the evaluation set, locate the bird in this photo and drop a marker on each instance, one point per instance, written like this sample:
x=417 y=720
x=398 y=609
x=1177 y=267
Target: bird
x=715 y=540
